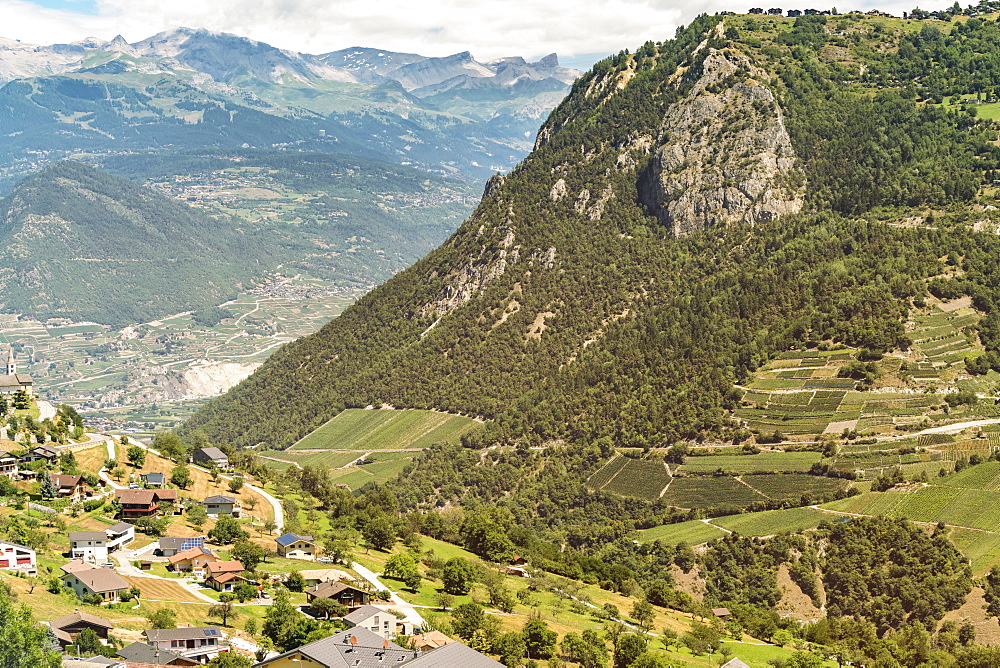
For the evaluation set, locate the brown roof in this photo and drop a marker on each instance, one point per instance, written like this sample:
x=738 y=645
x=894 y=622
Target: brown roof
x=226 y=577
x=143 y=496
x=165 y=494
x=324 y=574
x=429 y=640
x=191 y=553
x=225 y=567
x=329 y=589
x=64 y=480
x=78 y=617
x=721 y=612
x=76 y=565
x=101 y=580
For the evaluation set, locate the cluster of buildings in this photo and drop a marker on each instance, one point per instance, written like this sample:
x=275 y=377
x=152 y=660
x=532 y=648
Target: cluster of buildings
x=777 y=11
x=161 y=647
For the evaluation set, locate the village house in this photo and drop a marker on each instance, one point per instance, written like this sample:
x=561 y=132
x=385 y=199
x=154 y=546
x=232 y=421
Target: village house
x=222 y=505
x=316 y=576
x=428 y=641
x=141 y=653
x=91 y=546
x=224 y=582
x=43 y=451
x=87 y=580
x=222 y=567
x=17 y=556
x=12 y=381
x=203 y=456
x=454 y=654
x=294 y=546
x=136 y=503
x=347 y=595
x=199 y=643
x=195 y=560
x=119 y=535
x=170 y=545
x=8 y=464
x=378 y=621
x=67 y=628
x=72 y=487
x=360 y=648
x=153 y=479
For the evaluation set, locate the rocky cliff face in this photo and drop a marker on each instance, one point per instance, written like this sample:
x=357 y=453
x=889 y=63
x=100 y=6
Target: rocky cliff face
x=723 y=155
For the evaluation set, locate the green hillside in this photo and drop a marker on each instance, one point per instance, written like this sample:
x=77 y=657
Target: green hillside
x=563 y=309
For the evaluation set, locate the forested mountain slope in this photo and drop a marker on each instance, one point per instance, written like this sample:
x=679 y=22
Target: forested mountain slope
x=78 y=242
x=625 y=275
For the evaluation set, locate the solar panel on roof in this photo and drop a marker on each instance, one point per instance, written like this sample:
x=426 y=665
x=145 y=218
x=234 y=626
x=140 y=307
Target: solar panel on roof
x=197 y=541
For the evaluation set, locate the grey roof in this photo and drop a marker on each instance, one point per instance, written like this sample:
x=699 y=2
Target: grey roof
x=212 y=453
x=363 y=613
x=103 y=661
x=15 y=380
x=159 y=635
x=220 y=499
x=87 y=535
x=140 y=652
x=337 y=651
x=171 y=542
x=23 y=547
x=97 y=662
x=121 y=527
x=153 y=476
x=454 y=655
x=7 y=455
x=287 y=539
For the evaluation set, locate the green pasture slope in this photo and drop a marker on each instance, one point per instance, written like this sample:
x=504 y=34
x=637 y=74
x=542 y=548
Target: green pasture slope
x=386 y=429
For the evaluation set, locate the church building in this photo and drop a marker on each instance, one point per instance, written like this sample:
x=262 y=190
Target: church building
x=13 y=381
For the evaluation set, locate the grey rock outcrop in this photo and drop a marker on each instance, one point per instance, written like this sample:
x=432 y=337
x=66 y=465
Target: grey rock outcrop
x=724 y=155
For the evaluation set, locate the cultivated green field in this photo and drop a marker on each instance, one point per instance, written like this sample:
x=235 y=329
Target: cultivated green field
x=692 y=532
x=364 y=430
x=705 y=491
x=765 y=461
x=771 y=522
x=642 y=478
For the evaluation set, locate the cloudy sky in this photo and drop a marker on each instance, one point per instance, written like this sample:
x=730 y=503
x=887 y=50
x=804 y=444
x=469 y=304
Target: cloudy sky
x=580 y=31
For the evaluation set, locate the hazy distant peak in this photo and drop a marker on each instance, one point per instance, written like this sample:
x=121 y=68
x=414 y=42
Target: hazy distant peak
x=551 y=60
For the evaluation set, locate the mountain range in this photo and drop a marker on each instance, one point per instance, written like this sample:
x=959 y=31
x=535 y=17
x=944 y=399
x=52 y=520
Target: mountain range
x=188 y=89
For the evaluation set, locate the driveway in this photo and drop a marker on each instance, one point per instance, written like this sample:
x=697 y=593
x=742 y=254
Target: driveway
x=411 y=613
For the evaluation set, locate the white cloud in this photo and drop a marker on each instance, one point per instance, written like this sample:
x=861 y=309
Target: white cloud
x=489 y=28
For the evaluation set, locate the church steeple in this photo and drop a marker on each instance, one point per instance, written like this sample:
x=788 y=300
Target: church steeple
x=11 y=364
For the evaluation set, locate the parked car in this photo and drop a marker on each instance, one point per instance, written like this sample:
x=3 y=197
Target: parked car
x=325 y=560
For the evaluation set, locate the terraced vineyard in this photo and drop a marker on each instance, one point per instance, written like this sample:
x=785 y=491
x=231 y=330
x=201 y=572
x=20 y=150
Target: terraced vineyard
x=363 y=430
x=771 y=522
x=706 y=491
x=692 y=532
x=765 y=461
x=793 y=486
x=642 y=478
